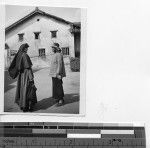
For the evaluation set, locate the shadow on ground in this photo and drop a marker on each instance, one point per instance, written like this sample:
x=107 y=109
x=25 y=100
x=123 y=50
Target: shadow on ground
x=48 y=102
x=8 y=80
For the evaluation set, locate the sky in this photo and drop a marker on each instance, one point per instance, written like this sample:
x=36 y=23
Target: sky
x=14 y=12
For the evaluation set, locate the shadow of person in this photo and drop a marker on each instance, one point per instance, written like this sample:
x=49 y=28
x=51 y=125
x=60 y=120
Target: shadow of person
x=48 y=102
x=71 y=98
x=44 y=104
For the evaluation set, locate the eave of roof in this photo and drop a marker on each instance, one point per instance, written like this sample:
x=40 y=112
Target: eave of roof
x=77 y=24
x=37 y=11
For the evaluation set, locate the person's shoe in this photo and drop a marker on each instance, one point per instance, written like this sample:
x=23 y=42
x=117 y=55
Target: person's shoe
x=60 y=103
x=25 y=110
x=30 y=109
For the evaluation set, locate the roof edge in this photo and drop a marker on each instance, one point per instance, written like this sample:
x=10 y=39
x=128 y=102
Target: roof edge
x=37 y=11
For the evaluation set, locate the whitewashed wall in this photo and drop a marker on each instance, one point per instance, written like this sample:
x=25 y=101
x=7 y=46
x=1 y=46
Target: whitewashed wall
x=45 y=25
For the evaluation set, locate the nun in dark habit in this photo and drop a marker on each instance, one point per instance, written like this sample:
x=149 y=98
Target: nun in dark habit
x=21 y=67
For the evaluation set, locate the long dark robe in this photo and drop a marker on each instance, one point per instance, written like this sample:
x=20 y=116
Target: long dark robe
x=25 y=78
x=58 y=92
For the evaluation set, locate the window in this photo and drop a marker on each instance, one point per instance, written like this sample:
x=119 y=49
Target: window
x=42 y=52
x=53 y=34
x=20 y=37
x=36 y=34
x=65 y=50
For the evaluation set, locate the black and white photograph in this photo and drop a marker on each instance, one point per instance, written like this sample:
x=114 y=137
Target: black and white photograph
x=77 y=64
x=42 y=59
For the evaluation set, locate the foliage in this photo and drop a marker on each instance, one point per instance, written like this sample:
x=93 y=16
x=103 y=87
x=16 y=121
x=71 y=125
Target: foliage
x=75 y=64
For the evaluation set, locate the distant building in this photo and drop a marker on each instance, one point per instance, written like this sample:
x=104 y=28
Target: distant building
x=40 y=30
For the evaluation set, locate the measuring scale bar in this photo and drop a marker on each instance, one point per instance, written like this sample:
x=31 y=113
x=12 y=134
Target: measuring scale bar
x=64 y=132
x=45 y=141
x=70 y=135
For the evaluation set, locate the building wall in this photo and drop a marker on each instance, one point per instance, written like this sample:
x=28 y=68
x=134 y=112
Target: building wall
x=44 y=26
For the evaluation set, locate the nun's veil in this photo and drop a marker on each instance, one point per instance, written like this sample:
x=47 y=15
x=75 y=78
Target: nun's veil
x=21 y=49
x=19 y=55
x=17 y=59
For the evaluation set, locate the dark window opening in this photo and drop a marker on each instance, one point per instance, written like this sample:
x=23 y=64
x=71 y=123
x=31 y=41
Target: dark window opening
x=65 y=50
x=53 y=34
x=21 y=37
x=42 y=52
x=37 y=35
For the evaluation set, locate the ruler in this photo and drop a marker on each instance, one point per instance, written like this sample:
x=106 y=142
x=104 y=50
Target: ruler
x=70 y=135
